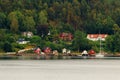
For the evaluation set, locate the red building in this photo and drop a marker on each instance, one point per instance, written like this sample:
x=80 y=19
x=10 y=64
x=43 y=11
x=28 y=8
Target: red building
x=66 y=36
x=47 y=50
x=37 y=51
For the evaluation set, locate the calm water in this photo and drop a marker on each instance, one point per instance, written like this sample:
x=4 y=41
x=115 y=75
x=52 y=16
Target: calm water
x=60 y=69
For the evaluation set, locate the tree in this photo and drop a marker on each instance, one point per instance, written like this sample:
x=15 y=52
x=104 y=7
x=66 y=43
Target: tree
x=13 y=20
x=29 y=12
x=42 y=18
x=109 y=44
x=20 y=18
x=116 y=40
x=80 y=41
x=113 y=42
x=11 y=38
x=7 y=47
x=35 y=39
x=14 y=25
x=84 y=9
x=29 y=24
x=62 y=27
x=17 y=5
x=2 y=35
x=6 y=6
x=42 y=30
x=115 y=28
x=51 y=13
x=2 y=20
x=108 y=23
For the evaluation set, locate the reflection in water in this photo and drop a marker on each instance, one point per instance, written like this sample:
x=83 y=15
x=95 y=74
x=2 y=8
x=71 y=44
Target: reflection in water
x=51 y=57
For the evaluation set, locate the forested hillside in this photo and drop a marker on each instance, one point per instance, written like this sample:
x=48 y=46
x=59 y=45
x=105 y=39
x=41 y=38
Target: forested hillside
x=79 y=17
x=90 y=16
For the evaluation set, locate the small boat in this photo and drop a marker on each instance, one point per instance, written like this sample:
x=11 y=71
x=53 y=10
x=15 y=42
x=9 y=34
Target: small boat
x=99 y=55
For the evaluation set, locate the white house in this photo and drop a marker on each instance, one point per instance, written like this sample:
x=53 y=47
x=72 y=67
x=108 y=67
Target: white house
x=22 y=41
x=27 y=34
x=96 y=37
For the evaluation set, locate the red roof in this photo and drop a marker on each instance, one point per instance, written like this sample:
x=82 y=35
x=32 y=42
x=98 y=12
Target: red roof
x=97 y=35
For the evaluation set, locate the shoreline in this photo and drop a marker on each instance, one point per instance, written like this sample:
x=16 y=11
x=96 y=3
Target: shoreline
x=59 y=57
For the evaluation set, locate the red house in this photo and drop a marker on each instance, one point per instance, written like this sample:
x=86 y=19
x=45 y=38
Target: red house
x=47 y=50
x=37 y=51
x=66 y=36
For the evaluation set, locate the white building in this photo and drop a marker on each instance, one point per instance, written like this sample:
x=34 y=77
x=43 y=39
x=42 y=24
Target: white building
x=22 y=41
x=27 y=34
x=96 y=37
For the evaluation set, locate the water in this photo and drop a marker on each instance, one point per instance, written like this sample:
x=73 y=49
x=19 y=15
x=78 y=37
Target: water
x=84 y=69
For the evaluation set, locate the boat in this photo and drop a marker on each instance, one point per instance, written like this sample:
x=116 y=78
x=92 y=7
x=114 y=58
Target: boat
x=99 y=55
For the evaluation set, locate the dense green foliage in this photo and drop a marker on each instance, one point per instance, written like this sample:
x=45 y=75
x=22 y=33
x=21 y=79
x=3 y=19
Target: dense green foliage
x=80 y=41
x=56 y=16
x=113 y=42
x=90 y=16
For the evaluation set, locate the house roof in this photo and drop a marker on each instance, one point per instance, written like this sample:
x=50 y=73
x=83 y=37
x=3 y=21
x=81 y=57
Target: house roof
x=66 y=34
x=97 y=35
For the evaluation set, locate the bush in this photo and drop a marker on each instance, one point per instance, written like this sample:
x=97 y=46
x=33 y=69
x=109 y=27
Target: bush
x=54 y=46
x=35 y=39
x=16 y=46
x=7 y=47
